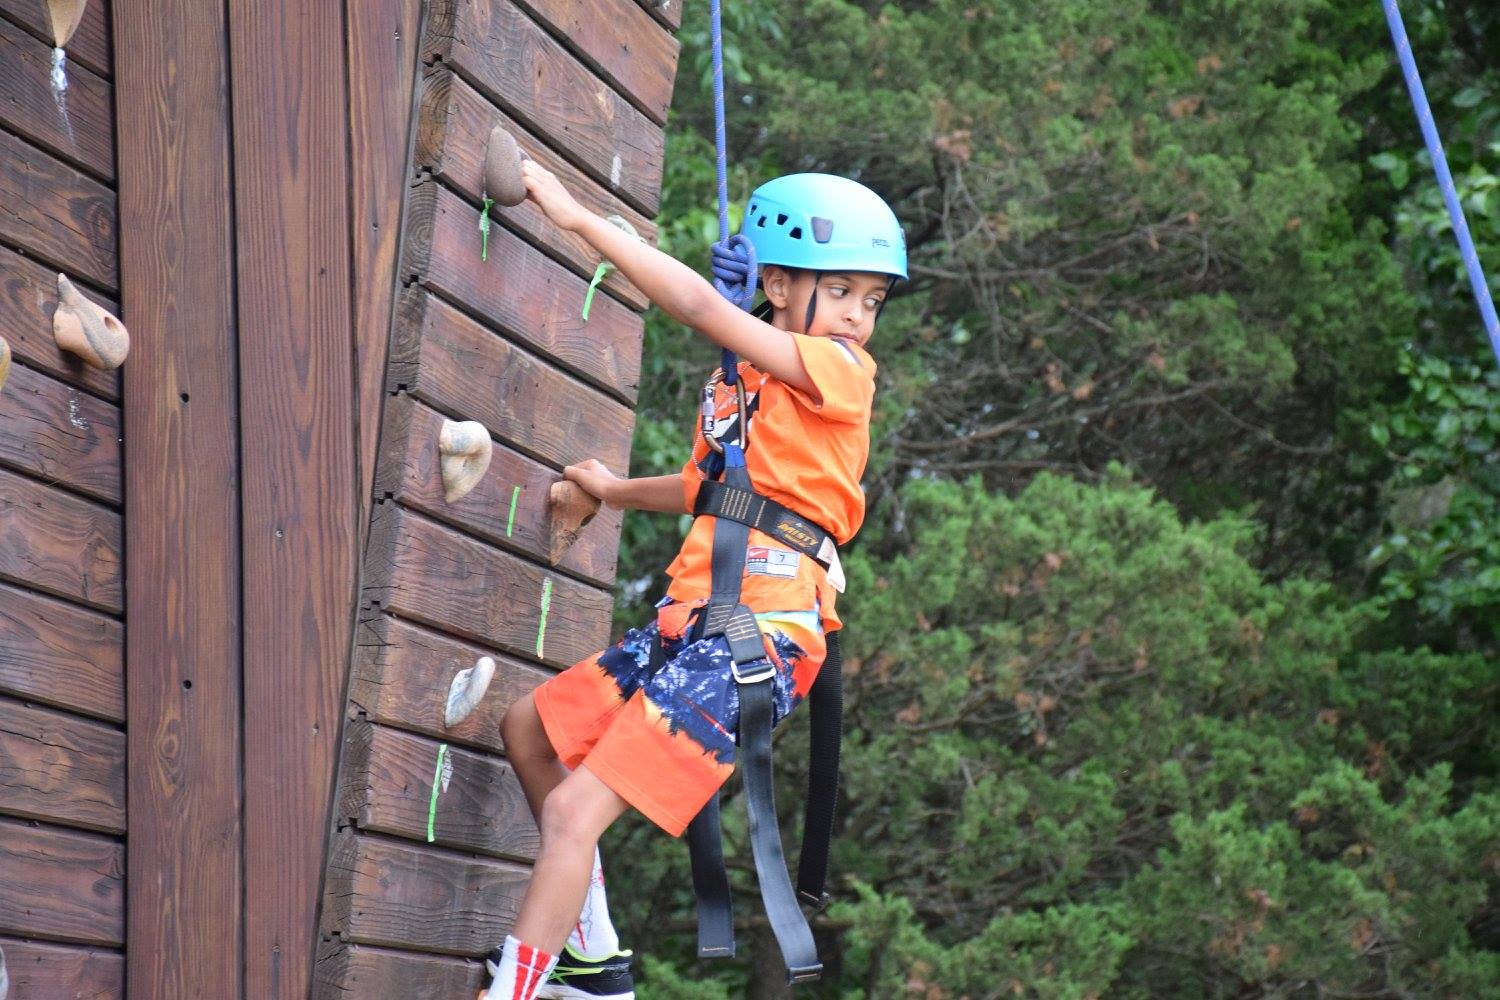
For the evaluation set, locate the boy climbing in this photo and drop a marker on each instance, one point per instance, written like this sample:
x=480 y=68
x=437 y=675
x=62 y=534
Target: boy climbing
x=657 y=721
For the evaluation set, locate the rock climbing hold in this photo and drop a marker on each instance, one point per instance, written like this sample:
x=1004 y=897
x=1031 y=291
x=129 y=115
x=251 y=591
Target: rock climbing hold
x=465 y=450
x=4 y=362
x=66 y=15
x=569 y=509
x=502 y=169
x=467 y=691
x=86 y=329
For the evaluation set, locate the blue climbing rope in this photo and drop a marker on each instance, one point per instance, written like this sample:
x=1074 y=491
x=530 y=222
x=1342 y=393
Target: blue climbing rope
x=1445 y=178
x=733 y=258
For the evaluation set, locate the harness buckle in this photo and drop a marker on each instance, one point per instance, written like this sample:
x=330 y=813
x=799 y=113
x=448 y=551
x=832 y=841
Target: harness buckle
x=753 y=672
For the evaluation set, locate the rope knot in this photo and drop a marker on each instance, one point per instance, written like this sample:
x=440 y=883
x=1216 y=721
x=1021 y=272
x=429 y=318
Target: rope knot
x=735 y=270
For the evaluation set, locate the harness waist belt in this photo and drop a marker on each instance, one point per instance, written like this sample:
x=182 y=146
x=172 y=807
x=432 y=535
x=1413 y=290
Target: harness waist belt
x=760 y=512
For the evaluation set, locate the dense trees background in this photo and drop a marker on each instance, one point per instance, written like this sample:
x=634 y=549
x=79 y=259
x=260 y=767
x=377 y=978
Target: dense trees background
x=1174 y=621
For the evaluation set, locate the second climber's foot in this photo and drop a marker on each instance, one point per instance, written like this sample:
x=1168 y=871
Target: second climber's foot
x=579 y=978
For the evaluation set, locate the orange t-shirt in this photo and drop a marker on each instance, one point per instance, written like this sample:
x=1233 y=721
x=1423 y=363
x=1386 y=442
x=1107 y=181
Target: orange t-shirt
x=804 y=455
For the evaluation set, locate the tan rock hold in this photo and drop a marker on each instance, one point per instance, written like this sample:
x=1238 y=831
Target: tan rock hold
x=4 y=362
x=66 y=16
x=467 y=691
x=502 y=169
x=569 y=509
x=83 y=327
x=464 y=448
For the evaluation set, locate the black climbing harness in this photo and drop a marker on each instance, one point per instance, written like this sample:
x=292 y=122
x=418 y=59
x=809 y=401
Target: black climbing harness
x=732 y=500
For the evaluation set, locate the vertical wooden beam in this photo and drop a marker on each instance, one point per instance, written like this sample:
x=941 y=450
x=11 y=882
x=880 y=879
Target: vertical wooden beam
x=382 y=70
x=298 y=448
x=181 y=486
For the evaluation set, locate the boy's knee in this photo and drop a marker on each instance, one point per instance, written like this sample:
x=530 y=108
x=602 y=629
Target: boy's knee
x=567 y=818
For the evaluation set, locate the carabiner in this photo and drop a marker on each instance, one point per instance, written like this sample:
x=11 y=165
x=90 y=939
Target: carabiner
x=710 y=397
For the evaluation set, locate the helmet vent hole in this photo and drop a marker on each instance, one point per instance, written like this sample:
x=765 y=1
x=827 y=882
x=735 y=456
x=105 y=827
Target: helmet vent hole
x=762 y=222
x=781 y=219
x=796 y=233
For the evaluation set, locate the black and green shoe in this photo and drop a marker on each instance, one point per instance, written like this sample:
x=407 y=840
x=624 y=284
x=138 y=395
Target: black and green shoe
x=579 y=978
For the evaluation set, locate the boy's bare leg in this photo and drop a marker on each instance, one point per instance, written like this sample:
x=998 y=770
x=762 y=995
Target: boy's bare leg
x=530 y=753
x=574 y=816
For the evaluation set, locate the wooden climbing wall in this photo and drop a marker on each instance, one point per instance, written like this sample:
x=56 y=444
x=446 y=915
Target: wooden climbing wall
x=62 y=595
x=423 y=880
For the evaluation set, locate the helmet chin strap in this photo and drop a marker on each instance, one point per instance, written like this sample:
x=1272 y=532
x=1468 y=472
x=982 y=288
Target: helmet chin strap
x=812 y=303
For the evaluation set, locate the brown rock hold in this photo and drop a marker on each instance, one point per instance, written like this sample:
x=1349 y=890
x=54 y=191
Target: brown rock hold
x=502 y=169
x=66 y=16
x=86 y=329
x=569 y=509
x=464 y=450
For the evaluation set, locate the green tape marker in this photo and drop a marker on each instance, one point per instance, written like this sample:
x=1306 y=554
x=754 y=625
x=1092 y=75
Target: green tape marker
x=599 y=272
x=541 y=630
x=510 y=522
x=484 y=230
x=437 y=777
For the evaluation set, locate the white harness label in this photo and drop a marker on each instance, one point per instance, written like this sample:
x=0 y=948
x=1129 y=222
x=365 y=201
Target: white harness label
x=761 y=560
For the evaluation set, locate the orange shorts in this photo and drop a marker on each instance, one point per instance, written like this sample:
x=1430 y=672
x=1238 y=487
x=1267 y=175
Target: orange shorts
x=665 y=741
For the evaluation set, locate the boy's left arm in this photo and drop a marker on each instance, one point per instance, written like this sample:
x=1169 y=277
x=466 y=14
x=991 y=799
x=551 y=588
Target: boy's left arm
x=679 y=290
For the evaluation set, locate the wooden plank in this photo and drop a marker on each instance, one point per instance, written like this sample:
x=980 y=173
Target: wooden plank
x=433 y=575
x=78 y=125
x=386 y=893
x=520 y=290
x=57 y=213
x=668 y=12
x=28 y=298
x=58 y=543
x=453 y=131
x=619 y=41
x=61 y=885
x=359 y=972
x=299 y=451
x=462 y=368
x=64 y=973
x=401 y=677
x=530 y=75
x=62 y=655
x=61 y=435
x=410 y=474
x=186 y=877
x=89 y=45
x=382 y=67
x=61 y=768
x=479 y=806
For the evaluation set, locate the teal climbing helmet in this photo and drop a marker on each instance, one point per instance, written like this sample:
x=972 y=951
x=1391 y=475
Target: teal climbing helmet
x=823 y=222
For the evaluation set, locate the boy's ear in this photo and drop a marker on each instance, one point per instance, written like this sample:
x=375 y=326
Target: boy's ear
x=776 y=282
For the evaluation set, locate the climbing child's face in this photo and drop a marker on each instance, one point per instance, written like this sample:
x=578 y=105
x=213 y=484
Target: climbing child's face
x=846 y=306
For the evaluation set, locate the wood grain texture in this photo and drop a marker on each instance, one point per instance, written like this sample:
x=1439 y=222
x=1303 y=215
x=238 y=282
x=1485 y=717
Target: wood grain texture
x=382 y=45
x=386 y=893
x=182 y=480
x=434 y=575
x=28 y=298
x=60 y=435
x=77 y=125
x=531 y=76
x=56 y=213
x=388 y=789
x=521 y=292
x=299 y=451
x=61 y=544
x=64 y=973
x=452 y=362
x=410 y=474
x=89 y=45
x=61 y=768
x=61 y=886
x=360 y=972
x=619 y=41
x=453 y=131
x=401 y=677
x=56 y=653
